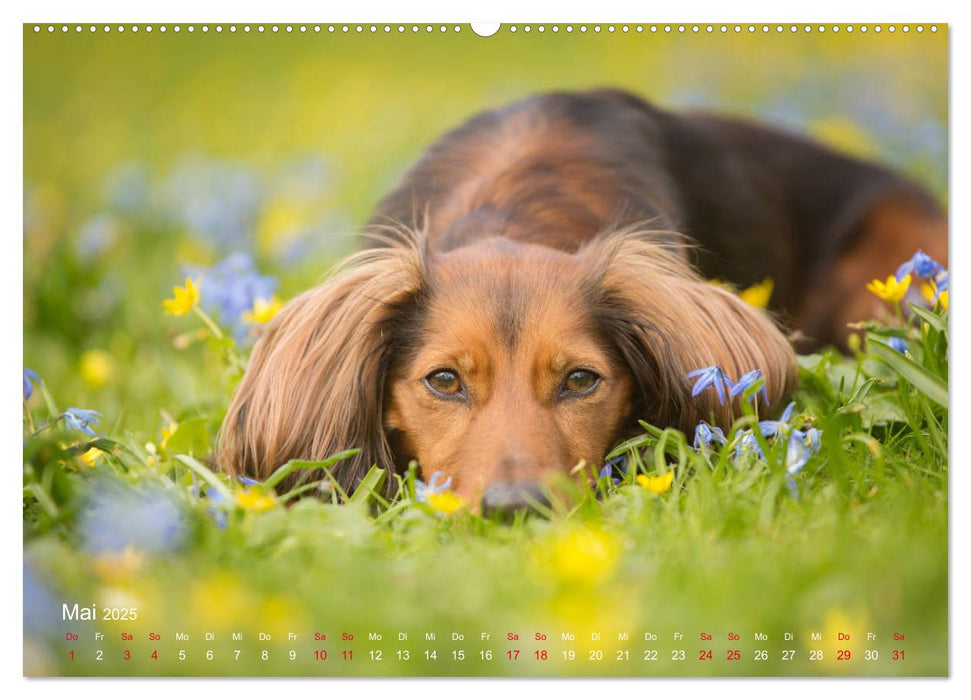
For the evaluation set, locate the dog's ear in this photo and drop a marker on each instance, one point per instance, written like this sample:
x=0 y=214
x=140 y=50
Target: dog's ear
x=315 y=381
x=665 y=321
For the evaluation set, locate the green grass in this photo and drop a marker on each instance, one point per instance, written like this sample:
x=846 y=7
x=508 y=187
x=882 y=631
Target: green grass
x=858 y=545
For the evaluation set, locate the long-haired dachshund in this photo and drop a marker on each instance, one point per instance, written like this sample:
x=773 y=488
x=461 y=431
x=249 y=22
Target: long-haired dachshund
x=528 y=293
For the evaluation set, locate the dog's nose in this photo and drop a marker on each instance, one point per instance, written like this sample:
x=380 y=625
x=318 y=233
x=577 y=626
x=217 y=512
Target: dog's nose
x=507 y=498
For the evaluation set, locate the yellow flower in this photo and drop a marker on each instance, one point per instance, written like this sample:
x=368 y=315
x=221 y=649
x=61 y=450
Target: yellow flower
x=262 y=311
x=929 y=290
x=91 y=456
x=185 y=298
x=254 y=500
x=220 y=601
x=758 y=294
x=96 y=368
x=891 y=290
x=168 y=432
x=584 y=556
x=656 y=484
x=446 y=502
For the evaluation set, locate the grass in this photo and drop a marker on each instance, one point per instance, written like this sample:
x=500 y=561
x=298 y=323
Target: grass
x=855 y=542
x=129 y=180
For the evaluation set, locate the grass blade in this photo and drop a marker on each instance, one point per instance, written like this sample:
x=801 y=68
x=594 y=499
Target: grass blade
x=931 y=386
x=325 y=464
x=206 y=475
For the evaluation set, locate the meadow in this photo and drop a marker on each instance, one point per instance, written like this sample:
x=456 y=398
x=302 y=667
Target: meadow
x=244 y=164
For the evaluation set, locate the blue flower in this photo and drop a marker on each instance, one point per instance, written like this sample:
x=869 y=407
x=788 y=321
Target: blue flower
x=942 y=281
x=219 y=507
x=117 y=516
x=706 y=435
x=921 y=264
x=30 y=376
x=96 y=236
x=217 y=201
x=747 y=380
x=710 y=377
x=797 y=452
x=748 y=445
x=81 y=419
x=815 y=439
x=248 y=481
x=615 y=468
x=230 y=288
x=772 y=428
x=423 y=490
x=898 y=344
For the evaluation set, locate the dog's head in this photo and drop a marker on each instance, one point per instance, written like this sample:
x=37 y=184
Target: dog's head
x=499 y=364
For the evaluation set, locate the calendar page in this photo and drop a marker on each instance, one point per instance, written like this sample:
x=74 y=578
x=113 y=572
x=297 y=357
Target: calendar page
x=485 y=350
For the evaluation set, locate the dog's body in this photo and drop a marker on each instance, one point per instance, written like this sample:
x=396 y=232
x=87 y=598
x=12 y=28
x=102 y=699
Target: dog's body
x=530 y=297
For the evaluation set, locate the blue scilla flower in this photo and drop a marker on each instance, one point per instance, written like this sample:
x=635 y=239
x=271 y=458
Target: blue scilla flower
x=218 y=509
x=423 y=490
x=96 y=236
x=772 y=428
x=710 y=377
x=117 y=516
x=815 y=438
x=797 y=452
x=942 y=281
x=30 y=376
x=921 y=265
x=81 y=419
x=615 y=468
x=247 y=480
x=230 y=288
x=217 y=201
x=747 y=380
x=898 y=344
x=706 y=435
x=747 y=446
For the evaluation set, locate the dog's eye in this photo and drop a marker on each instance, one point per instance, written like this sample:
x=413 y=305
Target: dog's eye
x=580 y=381
x=445 y=382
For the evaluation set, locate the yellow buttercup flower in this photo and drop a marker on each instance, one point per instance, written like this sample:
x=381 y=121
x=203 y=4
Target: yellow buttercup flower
x=97 y=368
x=254 y=500
x=184 y=299
x=656 y=484
x=445 y=502
x=263 y=311
x=891 y=290
x=584 y=556
x=929 y=290
x=91 y=456
x=758 y=294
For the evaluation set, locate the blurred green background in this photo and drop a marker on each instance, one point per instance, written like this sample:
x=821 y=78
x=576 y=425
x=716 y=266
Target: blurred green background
x=145 y=152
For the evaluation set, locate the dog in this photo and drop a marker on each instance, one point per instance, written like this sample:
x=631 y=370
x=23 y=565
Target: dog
x=539 y=282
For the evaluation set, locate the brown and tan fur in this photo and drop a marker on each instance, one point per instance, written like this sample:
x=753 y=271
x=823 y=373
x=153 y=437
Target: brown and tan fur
x=531 y=252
